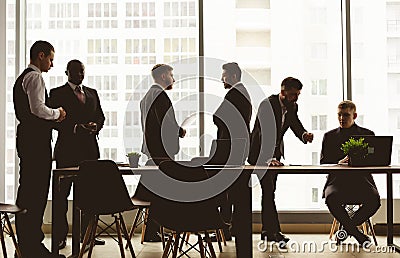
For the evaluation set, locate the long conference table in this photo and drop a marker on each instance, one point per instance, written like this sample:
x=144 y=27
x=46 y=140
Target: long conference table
x=239 y=192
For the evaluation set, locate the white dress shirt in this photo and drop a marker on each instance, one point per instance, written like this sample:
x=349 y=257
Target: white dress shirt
x=33 y=85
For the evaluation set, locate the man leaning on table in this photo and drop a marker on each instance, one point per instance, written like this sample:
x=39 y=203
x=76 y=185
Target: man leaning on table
x=342 y=189
x=284 y=108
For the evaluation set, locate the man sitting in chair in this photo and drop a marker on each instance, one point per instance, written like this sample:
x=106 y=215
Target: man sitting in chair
x=346 y=188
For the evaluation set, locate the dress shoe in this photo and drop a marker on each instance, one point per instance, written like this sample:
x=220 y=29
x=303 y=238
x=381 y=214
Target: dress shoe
x=99 y=241
x=213 y=237
x=41 y=251
x=362 y=239
x=276 y=237
x=62 y=244
x=152 y=239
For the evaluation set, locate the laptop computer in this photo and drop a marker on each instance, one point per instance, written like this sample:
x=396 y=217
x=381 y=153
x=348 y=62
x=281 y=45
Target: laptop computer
x=379 y=149
x=225 y=152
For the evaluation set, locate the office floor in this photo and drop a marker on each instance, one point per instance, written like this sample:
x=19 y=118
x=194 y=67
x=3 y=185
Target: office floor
x=153 y=250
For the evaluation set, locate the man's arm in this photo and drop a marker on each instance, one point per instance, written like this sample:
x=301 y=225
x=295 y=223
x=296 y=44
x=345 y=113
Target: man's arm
x=34 y=87
x=298 y=129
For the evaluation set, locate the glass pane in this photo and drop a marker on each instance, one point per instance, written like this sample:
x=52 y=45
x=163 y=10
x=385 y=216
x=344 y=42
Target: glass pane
x=377 y=41
x=105 y=54
x=269 y=47
x=9 y=166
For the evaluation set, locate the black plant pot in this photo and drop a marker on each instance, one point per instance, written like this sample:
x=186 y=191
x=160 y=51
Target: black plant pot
x=357 y=161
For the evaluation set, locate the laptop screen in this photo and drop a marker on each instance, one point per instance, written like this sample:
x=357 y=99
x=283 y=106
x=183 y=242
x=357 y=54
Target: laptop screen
x=379 y=149
x=228 y=152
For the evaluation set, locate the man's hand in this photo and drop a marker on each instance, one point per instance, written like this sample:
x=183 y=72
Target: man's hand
x=308 y=137
x=182 y=133
x=345 y=160
x=91 y=127
x=62 y=116
x=275 y=162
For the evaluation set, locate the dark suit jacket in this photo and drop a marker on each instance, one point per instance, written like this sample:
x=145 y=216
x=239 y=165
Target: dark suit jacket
x=72 y=148
x=259 y=143
x=235 y=113
x=331 y=154
x=160 y=130
x=232 y=119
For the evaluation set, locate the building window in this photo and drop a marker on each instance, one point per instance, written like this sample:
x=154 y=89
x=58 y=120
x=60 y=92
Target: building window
x=319 y=87
x=319 y=122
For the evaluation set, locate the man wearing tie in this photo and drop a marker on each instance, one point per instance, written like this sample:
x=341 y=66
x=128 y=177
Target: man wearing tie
x=77 y=135
x=284 y=108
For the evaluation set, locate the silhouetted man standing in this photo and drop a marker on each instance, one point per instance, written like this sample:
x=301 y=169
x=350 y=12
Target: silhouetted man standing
x=161 y=132
x=77 y=134
x=285 y=109
x=34 y=148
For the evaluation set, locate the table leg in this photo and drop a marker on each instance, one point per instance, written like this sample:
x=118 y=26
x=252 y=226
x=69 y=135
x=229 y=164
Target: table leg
x=76 y=225
x=55 y=206
x=389 y=185
x=242 y=216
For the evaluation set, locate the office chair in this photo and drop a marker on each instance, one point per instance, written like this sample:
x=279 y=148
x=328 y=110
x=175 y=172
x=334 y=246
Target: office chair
x=198 y=217
x=6 y=228
x=102 y=191
x=351 y=209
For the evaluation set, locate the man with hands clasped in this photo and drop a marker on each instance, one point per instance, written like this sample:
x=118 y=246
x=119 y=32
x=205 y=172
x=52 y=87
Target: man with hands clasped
x=77 y=134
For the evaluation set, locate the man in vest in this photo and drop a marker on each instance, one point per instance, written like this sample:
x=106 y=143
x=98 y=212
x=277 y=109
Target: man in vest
x=34 y=149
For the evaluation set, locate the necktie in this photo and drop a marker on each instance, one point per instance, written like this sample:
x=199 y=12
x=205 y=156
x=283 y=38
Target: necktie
x=79 y=94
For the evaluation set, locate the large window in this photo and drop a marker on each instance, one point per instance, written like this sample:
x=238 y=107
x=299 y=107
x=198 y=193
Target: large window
x=120 y=41
x=376 y=72
x=271 y=42
x=10 y=155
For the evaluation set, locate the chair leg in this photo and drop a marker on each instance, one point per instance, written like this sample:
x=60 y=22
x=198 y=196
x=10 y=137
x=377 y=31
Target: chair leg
x=364 y=228
x=146 y=215
x=93 y=235
x=210 y=246
x=183 y=240
x=3 y=244
x=162 y=236
x=167 y=247
x=176 y=244
x=125 y=232
x=201 y=246
x=11 y=233
x=333 y=228
x=87 y=237
x=372 y=231
x=219 y=239
x=221 y=233
x=135 y=222
x=118 y=226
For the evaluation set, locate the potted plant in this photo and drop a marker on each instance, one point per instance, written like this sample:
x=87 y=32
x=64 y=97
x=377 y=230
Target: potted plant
x=357 y=150
x=133 y=159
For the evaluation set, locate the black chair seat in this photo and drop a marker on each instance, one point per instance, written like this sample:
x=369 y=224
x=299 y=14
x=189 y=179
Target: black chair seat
x=11 y=208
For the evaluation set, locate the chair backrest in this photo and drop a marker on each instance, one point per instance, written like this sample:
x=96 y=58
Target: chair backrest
x=101 y=188
x=186 y=216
